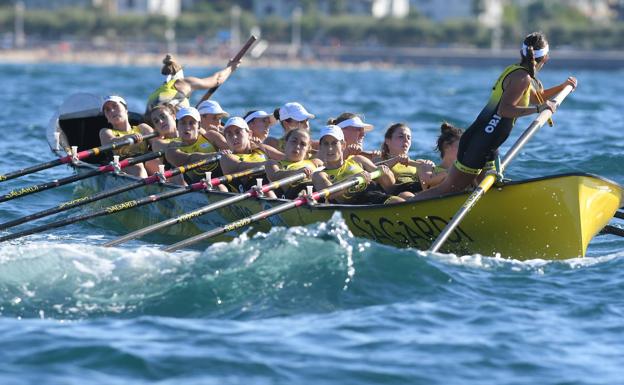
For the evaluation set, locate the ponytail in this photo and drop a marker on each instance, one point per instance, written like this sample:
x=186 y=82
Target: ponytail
x=170 y=66
x=449 y=134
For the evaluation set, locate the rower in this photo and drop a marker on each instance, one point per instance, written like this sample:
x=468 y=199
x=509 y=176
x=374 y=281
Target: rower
x=259 y=123
x=291 y=115
x=176 y=90
x=211 y=114
x=245 y=153
x=162 y=119
x=331 y=152
x=193 y=146
x=115 y=110
x=354 y=130
x=295 y=161
x=447 y=145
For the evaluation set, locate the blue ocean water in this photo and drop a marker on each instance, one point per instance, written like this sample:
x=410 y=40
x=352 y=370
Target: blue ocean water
x=266 y=310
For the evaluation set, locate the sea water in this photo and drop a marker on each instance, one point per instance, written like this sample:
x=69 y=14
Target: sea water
x=310 y=304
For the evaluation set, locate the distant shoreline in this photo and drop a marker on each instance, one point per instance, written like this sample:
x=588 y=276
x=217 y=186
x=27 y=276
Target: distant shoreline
x=332 y=57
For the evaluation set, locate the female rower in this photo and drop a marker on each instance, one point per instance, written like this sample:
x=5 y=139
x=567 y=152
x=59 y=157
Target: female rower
x=176 y=90
x=337 y=169
x=447 y=145
x=244 y=153
x=115 y=110
x=290 y=115
x=511 y=96
x=354 y=130
x=295 y=161
x=411 y=175
x=193 y=146
x=162 y=119
x=259 y=123
x=211 y=114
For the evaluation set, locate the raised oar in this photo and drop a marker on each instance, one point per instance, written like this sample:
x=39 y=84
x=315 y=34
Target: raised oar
x=235 y=59
x=124 y=206
x=108 y=193
x=253 y=192
x=490 y=178
x=69 y=158
x=325 y=193
x=70 y=179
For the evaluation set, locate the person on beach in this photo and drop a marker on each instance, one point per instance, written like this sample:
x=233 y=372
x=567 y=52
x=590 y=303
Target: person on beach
x=176 y=89
x=296 y=160
x=193 y=146
x=354 y=130
x=291 y=116
x=211 y=115
x=411 y=176
x=259 y=123
x=516 y=93
x=244 y=154
x=115 y=110
x=337 y=168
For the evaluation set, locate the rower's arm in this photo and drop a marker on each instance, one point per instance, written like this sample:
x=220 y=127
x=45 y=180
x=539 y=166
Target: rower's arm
x=386 y=180
x=230 y=164
x=515 y=85
x=271 y=151
x=216 y=139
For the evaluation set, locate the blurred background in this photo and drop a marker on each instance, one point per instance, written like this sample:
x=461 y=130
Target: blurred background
x=585 y=33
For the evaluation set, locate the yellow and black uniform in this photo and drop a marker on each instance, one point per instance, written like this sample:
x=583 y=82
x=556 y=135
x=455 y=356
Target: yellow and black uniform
x=292 y=191
x=479 y=144
x=202 y=146
x=167 y=93
x=245 y=183
x=360 y=194
x=406 y=178
x=133 y=149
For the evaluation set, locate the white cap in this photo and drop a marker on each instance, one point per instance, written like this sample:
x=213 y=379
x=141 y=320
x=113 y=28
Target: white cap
x=188 y=111
x=294 y=111
x=114 y=98
x=211 y=107
x=257 y=114
x=236 y=121
x=332 y=130
x=355 y=122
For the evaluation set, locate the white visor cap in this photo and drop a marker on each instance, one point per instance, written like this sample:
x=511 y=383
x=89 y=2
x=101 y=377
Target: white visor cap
x=257 y=114
x=332 y=130
x=294 y=111
x=114 y=98
x=236 y=121
x=188 y=111
x=211 y=107
x=356 y=122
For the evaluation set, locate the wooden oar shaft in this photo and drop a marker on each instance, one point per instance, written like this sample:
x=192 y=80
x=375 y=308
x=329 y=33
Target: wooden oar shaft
x=69 y=158
x=206 y=209
x=489 y=179
x=235 y=59
x=325 y=193
x=70 y=179
x=106 y=211
x=619 y=214
x=105 y=194
x=608 y=229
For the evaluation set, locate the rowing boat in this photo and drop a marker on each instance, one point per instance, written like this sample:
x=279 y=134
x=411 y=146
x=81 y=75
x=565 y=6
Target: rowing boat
x=553 y=217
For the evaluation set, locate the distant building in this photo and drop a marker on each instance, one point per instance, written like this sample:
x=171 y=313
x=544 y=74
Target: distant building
x=170 y=8
x=376 y=8
x=57 y=4
x=488 y=12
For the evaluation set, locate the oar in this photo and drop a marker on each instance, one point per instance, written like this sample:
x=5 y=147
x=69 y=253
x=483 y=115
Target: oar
x=490 y=178
x=236 y=59
x=253 y=192
x=70 y=179
x=124 y=206
x=325 y=193
x=69 y=158
x=619 y=214
x=108 y=193
x=608 y=229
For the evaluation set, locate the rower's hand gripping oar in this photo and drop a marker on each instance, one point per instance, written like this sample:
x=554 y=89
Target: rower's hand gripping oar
x=253 y=192
x=325 y=193
x=108 y=193
x=252 y=39
x=73 y=178
x=126 y=205
x=73 y=157
x=491 y=176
